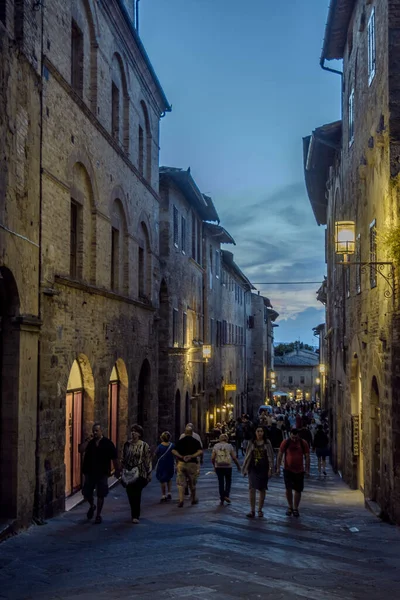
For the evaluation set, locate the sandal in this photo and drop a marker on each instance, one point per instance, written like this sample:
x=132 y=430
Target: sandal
x=296 y=513
x=251 y=514
x=289 y=512
x=98 y=520
x=260 y=514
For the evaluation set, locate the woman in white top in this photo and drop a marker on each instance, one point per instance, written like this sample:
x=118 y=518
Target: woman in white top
x=222 y=457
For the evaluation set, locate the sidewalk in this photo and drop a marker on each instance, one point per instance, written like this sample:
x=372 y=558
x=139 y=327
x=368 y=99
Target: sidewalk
x=336 y=550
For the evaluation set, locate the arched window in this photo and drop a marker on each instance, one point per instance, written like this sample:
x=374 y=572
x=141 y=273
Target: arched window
x=119 y=250
x=82 y=260
x=84 y=53
x=144 y=264
x=144 y=143
x=119 y=103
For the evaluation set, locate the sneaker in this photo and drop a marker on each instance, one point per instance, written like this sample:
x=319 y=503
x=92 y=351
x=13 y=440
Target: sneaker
x=169 y=497
x=163 y=499
x=195 y=501
x=180 y=504
x=324 y=473
x=135 y=521
x=227 y=500
x=90 y=512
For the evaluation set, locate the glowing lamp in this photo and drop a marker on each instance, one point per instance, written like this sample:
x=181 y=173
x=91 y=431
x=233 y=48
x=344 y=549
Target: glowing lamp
x=345 y=237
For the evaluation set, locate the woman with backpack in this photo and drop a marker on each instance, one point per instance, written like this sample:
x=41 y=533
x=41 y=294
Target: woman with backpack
x=321 y=448
x=222 y=457
x=258 y=465
x=165 y=465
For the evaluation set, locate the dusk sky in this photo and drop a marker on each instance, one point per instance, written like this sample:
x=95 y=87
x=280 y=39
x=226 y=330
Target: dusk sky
x=245 y=86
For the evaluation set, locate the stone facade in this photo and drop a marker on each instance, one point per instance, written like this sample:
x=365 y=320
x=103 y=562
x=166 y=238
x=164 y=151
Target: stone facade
x=361 y=178
x=297 y=373
x=20 y=114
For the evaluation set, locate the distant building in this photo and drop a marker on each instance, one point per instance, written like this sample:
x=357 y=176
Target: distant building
x=296 y=374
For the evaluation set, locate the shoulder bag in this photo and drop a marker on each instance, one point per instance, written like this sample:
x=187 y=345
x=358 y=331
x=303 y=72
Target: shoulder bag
x=130 y=476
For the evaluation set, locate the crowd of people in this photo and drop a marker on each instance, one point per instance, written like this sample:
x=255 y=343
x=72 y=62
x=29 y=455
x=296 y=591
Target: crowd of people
x=275 y=436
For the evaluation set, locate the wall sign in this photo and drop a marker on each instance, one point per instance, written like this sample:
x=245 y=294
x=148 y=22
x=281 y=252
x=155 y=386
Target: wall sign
x=355 y=434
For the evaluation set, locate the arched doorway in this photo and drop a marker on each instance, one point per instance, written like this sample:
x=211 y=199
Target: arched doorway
x=143 y=393
x=177 y=414
x=9 y=394
x=79 y=416
x=357 y=415
x=118 y=404
x=375 y=441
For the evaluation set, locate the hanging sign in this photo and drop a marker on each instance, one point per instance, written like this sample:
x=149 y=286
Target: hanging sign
x=355 y=434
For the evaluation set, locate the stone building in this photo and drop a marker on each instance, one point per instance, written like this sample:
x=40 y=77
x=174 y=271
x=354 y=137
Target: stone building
x=260 y=357
x=297 y=374
x=181 y=385
x=352 y=175
x=20 y=120
x=90 y=189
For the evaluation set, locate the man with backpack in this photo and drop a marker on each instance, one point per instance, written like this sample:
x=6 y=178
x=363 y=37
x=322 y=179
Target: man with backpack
x=297 y=452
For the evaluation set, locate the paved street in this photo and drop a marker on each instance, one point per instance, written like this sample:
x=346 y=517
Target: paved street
x=207 y=551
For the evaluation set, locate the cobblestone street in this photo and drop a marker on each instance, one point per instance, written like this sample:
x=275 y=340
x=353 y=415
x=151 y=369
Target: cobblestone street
x=336 y=550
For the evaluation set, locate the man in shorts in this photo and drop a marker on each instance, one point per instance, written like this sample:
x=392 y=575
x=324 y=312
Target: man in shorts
x=297 y=452
x=99 y=452
x=187 y=450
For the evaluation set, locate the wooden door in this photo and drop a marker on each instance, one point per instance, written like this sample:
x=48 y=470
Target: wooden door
x=76 y=440
x=68 y=444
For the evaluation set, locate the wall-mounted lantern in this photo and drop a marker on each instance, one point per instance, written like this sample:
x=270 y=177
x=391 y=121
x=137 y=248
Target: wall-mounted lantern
x=345 y=237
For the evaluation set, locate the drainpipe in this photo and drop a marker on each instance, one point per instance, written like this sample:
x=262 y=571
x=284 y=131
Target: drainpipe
x=36 y=510
x=322 y=64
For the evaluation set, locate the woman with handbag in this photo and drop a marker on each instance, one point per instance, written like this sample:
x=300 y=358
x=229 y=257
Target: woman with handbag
x=165 y=466
x=136 y=469
x=258 y=464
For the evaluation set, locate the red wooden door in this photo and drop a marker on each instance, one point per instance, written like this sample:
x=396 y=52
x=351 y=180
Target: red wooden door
x=76 y=440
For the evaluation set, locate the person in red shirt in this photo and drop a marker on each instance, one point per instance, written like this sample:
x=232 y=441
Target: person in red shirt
x=297 y=452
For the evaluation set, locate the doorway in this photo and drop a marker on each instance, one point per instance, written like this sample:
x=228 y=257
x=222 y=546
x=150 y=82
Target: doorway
x=375 y=441
x=73 y=430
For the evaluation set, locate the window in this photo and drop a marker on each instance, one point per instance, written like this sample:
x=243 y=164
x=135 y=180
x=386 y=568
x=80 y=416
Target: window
x=217 y=263
x=351 y=117
x=175 y=328
x=114 y=258
x=224 y=332
x=115 y=111
x=141 y=266
x=290 y=379
x=250 y=322
x=73 y=263
x=371 y=47
x=358 y=264
x=372 y=254
x=183 y=234
x=302 y=380
x=76 y=58
x=176 y=226
x=141 y=150
x=211 y=336
x=3 y=11
x=184 y=330
x=193 y=237
x=219 y=334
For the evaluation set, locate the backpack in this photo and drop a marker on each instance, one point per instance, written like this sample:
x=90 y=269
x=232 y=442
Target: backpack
x=223 y=457
x=289 y=441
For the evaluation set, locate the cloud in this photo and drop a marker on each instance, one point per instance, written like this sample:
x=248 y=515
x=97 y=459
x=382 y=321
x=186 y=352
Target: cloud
x=278 y=240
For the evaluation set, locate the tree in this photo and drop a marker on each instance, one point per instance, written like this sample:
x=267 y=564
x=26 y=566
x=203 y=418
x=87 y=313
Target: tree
x=281 y=349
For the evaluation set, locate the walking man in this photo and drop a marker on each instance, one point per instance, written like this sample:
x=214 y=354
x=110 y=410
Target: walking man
x=99 y=452
x=297 y=452
x=187 y=450
x=200 y=460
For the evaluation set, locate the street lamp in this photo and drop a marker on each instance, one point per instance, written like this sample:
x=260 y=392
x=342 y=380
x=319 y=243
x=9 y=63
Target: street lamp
x=345 y=238
x=322 y=369
x=318 y=381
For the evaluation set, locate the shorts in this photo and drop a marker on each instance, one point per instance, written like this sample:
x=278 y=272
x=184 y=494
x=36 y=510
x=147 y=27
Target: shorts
x=293 y=481
x=93 y=482
x=187 y=474
x=322 y=452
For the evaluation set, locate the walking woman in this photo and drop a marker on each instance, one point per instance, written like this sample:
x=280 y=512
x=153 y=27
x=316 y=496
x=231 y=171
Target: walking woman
x=258 y=464
x=222 y=457
x=137 y=467
x=165 y=466
x=321 y=447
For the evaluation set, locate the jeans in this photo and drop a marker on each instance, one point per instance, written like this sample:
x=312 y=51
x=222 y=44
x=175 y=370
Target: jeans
x=224 y=475
x=134 y=493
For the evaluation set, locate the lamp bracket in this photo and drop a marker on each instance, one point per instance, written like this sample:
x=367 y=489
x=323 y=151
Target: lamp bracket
x=384 y=269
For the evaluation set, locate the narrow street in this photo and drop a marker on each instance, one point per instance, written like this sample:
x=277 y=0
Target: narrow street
x=336 y=550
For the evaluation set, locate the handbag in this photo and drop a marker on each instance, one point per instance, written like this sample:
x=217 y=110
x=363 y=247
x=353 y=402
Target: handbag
x=130 y=476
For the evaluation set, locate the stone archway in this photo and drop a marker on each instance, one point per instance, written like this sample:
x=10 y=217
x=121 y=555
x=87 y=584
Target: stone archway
x=376 y=443
x=118 y=404
x=79 y=419
x=9 y=393
x=143 y=394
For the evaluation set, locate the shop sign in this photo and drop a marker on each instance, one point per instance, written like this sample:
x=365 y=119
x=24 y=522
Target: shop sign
x=355 y=434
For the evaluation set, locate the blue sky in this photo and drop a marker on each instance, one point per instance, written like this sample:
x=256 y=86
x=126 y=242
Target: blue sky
x=245 y=86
